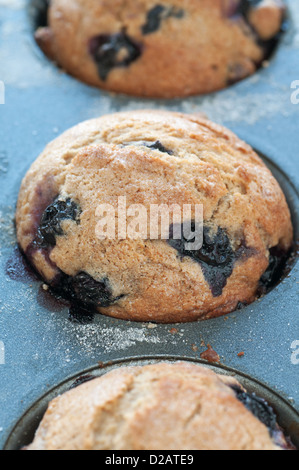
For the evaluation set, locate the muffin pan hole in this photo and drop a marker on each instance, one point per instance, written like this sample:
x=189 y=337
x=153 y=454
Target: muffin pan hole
x=23 y=433
x=236 y=71
x=283 y=267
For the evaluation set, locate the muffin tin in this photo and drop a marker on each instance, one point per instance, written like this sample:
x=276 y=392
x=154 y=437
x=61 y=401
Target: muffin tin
x=42 y=351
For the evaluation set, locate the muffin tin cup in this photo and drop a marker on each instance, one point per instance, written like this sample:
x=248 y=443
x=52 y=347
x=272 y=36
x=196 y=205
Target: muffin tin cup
x=25 y=429
x=41 y=350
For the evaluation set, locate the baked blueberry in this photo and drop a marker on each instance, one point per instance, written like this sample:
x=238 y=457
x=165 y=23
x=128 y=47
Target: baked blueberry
x=258 y=407
x=157 y=14
x=85 y=290
x=80 y=314
x=50 y=225
x=82 y=380
x=154 y=19
x=216 y=256
x=246 y=5
x=111 y=51
x=240 y=7
x=277 y=264
x=158 y=146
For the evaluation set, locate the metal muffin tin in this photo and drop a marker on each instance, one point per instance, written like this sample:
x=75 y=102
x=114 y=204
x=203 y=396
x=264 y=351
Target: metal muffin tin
x=41 y=350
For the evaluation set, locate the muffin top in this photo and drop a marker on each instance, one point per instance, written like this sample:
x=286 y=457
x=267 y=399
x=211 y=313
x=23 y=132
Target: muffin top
x=133 y=162
x=164 y=406
x=165 y=49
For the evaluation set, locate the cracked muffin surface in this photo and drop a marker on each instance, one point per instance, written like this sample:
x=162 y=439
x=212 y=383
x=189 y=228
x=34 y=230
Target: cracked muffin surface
x=166 y=49
x=163 y=406
x=155 y=158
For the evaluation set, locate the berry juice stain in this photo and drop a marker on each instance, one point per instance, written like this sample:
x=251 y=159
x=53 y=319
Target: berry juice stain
x=47 y=300
x=18 y=269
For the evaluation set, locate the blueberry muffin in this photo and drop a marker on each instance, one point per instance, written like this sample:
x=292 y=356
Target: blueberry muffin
x=153 y=159
x=178 y=406
x=162 y=48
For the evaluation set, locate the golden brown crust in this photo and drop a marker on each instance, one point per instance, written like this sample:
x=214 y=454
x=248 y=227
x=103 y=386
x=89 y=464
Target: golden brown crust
x=267 y=18
x=100 y=160
x=163 y=406
x=193 y=47
x=45 y=40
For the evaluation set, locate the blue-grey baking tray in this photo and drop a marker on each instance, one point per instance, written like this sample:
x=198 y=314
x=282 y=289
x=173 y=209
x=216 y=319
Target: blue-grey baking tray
x=41 y=350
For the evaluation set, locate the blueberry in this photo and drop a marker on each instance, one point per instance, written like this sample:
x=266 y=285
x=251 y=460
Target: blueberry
x=82 y=380
x=50 y=224
x=158 y=146
x=84 y=291
x=157 y=14
x=216 y=256
x=115 y=50
x=247 y=5
x=241 y=7
x=241 y=305
x=217 y=259
x=259 y=408
x=80 y=314
x=277 y=265
x=88 y=291
x=154 y=19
